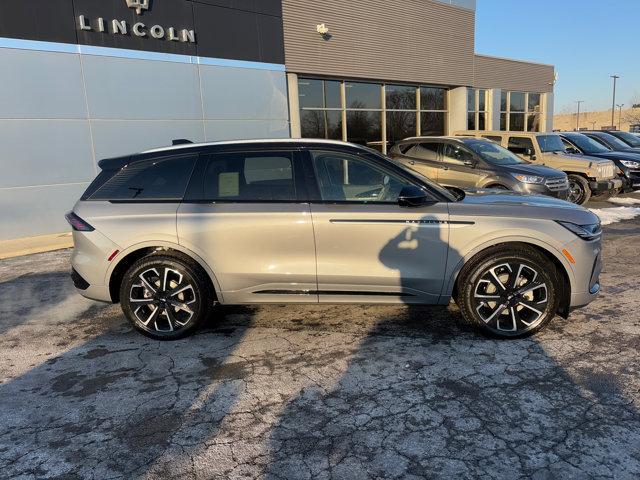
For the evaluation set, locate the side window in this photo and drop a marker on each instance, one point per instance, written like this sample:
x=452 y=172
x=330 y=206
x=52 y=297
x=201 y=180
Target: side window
x=569 y=147
x=154 y=179
x=425 y=151
x=250 y=176
x=343 y=177
x=456 y=154
x=520 y=145
x=493 y=138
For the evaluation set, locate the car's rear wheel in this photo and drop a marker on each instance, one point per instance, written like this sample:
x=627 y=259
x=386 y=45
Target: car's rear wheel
x=165 y=297
x=579 y=191
x=509 y=292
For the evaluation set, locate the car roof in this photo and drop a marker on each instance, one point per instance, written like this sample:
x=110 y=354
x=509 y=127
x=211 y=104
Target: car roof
x=119 y=162
x=302 y=141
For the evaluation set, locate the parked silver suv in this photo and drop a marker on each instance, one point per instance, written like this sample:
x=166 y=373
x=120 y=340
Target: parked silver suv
x=170 y=232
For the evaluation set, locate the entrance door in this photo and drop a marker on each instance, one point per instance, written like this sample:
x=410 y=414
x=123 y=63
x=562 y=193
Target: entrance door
x=368 y=248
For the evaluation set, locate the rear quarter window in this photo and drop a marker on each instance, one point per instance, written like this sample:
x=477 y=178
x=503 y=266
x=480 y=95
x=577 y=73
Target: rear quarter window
x=154 y=179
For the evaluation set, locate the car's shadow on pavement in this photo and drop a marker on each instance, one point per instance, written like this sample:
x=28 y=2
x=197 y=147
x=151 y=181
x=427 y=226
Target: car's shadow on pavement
x=307 y=392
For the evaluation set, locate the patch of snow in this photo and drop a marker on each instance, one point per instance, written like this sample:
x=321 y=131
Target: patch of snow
x=616 y=214
x=625 y=201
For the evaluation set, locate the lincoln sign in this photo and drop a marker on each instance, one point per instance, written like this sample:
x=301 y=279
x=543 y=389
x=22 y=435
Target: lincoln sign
x=139 y=29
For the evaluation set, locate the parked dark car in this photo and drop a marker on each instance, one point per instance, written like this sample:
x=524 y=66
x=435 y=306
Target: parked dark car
x=629 y=138
x=611 y=141
x=627 y=162
x=462 y=162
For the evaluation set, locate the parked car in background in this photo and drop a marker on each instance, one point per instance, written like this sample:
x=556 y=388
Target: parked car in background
x=629 y=138
x=627 y=163
x=610 y=141
x=477 y=163
x=170 y=232
x=587 y=176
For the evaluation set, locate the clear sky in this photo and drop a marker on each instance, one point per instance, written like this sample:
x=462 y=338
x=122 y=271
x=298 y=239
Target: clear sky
x=586 y=40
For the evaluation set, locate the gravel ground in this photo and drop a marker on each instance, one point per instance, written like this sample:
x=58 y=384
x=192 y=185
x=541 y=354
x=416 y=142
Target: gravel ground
x=316 y=391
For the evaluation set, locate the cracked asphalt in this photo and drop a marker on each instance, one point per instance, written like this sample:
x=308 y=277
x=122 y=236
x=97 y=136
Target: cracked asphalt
x=316 y=391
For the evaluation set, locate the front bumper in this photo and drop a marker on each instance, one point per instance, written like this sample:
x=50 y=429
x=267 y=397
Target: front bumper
x=587 y=269
x=600 y=187
x=538 y=189
x=631 y=180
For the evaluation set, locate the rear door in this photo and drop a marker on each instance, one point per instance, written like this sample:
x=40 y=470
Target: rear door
x=246 y=214
x=424 y=157
x=369 y=249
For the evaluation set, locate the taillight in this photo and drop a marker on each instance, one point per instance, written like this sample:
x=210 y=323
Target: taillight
x=77 y=223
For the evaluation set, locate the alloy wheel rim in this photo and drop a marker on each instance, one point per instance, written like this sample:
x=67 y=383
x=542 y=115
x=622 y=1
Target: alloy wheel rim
x=162 y=300
x=511 y=298
x=575 y=192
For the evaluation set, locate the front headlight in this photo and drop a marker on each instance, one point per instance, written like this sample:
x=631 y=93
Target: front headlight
x=586 y=232
x=528 y=178
x=630 y=163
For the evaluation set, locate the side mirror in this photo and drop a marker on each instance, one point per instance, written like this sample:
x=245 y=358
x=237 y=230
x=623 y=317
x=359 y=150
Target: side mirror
x=470 y=163
x=412 y=196
x=528 y=152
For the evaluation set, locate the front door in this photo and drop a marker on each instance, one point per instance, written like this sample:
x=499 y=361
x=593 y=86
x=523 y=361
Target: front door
x=246 y=216
x=424 y=158
x=368 y=248
x=459 y=168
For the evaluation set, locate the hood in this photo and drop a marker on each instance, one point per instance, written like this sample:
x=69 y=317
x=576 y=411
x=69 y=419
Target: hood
x=633 y=156
x=519 y=205
x=530 y=169
x=569 y=156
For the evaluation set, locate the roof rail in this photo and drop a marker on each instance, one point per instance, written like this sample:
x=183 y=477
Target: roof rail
x=180 y=141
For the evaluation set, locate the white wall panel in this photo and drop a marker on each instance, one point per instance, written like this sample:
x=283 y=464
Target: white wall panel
x=37 y=84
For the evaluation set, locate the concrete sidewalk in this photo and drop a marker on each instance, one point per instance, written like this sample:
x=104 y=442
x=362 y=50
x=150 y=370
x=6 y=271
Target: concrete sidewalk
x=39 y=244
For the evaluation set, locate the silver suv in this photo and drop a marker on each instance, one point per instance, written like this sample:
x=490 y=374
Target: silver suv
x=171 y=232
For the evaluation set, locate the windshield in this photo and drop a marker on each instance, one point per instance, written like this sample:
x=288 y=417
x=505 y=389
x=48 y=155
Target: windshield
x=550 y=143
x=629 y=138
x=612 y=141
x=587 y=144
x=493 y=153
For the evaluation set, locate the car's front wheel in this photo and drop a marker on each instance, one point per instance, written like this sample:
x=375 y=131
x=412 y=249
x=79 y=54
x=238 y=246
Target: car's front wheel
x=579 y=191
x=509 y=292
x=165 y=297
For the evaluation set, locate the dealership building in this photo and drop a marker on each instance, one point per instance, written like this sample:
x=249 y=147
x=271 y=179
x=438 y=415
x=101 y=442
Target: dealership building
x=84 y=80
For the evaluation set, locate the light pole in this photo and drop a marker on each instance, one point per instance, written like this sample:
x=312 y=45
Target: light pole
x=620 y=115
x=593 y=125
x=578 y=116
x=613 y=105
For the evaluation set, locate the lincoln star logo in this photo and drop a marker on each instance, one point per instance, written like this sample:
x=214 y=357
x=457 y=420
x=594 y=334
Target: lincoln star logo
x=139 y=5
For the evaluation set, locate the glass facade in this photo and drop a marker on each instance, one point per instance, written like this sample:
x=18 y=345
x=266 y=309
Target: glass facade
x=477 y=109
x=374 y=114
x=520 y=111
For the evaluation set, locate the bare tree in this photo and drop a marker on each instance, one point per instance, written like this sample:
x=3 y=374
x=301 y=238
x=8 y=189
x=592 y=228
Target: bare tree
x=633 y=115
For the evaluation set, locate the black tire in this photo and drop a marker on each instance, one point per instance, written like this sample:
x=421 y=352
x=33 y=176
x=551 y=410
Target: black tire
x=527 y=307
x=579 y=191
x=147 y=300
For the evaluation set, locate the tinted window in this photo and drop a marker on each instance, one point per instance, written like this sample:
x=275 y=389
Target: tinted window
x=516 y=102
x=365 y=128
x=586 y=144
x=321 y=124
x=534 y=102
x=400 y=125
x=400 y=97
x=612 y=141
x=432 y=98
x=319 y=93
x=550 y=143
x=493 y=138
x=520 y=145
x=363 y=95
x=344 y=177
x=425 y=151
x=155 y=179
x=432 y=123
x=516 y=122
x=250 y=176
x=456 y=154
x=629 y=138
